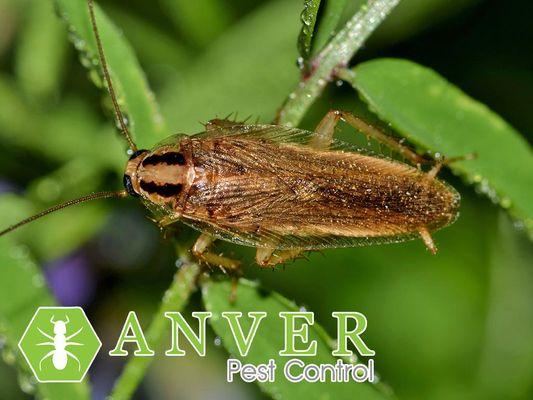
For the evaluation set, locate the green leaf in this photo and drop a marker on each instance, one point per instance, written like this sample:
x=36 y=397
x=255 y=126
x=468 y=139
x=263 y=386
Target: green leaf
x=236 y=74
x=327 y=25
x=269 y=341
x=135 y=97
x=41 y=51
x=22 y=290
x=509 y=355
x=338 y=53
x=308 y=17
x=437 y=116
x=200 y=22
x=175 y=299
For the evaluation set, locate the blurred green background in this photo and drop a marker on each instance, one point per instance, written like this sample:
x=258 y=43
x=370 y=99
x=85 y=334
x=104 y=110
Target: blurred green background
x=458 y=325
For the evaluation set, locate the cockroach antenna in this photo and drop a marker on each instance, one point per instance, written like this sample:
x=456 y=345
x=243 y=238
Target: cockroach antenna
x=118 y=113
x=83 y=199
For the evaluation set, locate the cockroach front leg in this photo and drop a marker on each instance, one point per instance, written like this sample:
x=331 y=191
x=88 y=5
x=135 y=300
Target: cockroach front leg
x=268 y=257
x=201 y=250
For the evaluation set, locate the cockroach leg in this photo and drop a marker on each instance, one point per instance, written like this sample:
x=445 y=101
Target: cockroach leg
x=432 y=173
x=381 y=137
x=427 y=239
x=201 y=251
x=268 y=257
x=325 y=130
x=220 y=123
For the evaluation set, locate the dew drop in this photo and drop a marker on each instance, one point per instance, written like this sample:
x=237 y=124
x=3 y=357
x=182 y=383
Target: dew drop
x=505 y=202
x=300 y=63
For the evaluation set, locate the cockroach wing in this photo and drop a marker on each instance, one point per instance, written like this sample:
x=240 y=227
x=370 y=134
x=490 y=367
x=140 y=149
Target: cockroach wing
x=270 y=239
x=285 y=195
x=270 y=133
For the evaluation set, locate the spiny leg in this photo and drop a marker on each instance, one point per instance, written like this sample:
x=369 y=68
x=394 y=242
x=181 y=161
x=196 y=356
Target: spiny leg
x=428 y=241
x=432 y=173
x=382 y=137
x=200 y=249
x=268 y=257
x=325 y=130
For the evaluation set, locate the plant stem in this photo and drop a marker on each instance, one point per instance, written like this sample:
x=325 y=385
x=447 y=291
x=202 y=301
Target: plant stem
x=174 y=299
x=337 y=54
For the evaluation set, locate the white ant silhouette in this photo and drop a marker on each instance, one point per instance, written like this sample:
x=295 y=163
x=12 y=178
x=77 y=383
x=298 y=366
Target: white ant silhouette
x=60 y=354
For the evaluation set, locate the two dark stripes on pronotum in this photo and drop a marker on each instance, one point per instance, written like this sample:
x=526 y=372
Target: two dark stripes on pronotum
x=167 y=189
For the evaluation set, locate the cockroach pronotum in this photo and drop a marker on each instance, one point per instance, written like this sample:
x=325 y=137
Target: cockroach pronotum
x=282 y=190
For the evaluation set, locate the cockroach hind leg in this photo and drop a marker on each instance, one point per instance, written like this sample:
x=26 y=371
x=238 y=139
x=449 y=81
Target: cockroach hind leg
x=325 y=130
x=268 y=257
x=381 y=137
x=428 y=240
x=432 y=173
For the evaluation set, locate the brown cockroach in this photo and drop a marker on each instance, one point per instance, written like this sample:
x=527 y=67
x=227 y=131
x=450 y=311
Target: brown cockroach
x=282 y=190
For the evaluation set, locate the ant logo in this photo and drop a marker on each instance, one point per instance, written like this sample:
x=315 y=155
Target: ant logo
x=60 y=354
x=59 y=344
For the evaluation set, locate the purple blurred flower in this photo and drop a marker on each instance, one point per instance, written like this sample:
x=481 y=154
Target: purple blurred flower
x=71 y=280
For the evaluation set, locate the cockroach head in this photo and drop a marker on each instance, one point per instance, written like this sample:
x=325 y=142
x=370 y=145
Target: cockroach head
x=158 y=175
x=131 y=169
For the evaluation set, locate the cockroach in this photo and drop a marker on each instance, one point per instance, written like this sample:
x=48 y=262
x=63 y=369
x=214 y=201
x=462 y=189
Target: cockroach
x=282 y=190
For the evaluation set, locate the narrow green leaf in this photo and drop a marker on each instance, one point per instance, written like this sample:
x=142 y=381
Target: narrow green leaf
x=308 y=17
x=64 y=133
x=200 y=22
x=174 y=299
x=331 y=15
x=508 y=348
x=135 y=97
x=265 y=73
x=337 y=53
x=22 y=290
x=437 y=116
x=40 y=53
x=269 y=341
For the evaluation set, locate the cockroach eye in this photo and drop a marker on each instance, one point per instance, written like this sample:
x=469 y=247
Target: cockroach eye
x=129 y=186
x=137 y=153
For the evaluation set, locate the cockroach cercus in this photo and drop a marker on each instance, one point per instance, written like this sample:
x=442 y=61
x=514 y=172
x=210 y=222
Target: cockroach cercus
x=282 y=190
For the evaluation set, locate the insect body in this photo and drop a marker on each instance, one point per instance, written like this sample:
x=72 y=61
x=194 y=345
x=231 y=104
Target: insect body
x=60 y=342
x=282 y=190
x=286 y=190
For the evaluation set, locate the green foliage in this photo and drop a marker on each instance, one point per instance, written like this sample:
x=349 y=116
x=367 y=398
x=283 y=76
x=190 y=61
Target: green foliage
x=316 y=34
x=135 y=97
x=23 y=289
x=437 y=116
x=268 y=341
x=433 y=307
x=308 y=16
